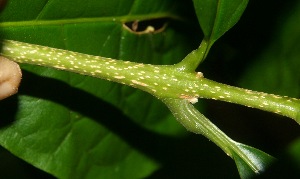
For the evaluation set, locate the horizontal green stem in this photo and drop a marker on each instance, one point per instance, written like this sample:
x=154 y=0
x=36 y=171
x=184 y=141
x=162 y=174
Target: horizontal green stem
x=163 y=81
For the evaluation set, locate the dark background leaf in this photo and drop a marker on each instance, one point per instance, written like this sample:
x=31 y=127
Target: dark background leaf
x=276 y=70
x=237 y=59
x=186 y=156
x=69 y=125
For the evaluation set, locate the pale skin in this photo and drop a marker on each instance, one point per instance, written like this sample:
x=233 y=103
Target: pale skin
x=10 y=77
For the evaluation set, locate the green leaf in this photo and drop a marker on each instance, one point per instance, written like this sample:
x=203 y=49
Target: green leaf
x=276 y=70
x=260 y=161
x=218 y=16
x=67 y=124
x=294 y=152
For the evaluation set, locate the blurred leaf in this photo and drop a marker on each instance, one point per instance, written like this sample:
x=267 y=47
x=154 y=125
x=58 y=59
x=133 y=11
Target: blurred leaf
x=218 y=16
x=294 y=151
x=59 y=122
x=276 y=70
x=259 y=159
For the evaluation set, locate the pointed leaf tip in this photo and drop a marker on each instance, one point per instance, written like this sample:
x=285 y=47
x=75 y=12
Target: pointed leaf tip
x=253 y=162
x=218 y=16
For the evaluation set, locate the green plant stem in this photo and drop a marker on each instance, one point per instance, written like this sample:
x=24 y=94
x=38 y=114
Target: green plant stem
x=193 y=59
x=197 y=123
x=166 y=81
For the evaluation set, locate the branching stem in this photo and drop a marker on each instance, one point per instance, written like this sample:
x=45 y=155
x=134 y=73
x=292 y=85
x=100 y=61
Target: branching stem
x=163 y=81
x=193 y=59
x=196 y=122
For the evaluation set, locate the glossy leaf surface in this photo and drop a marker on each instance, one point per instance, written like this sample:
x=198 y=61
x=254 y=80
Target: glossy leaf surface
x=259 y=160
x=61 y=118
x=218 y=16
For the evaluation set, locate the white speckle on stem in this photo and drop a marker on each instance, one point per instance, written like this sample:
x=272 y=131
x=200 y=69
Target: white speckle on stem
x=191 y=99
x=119 y=77
x=138 y=83
x=199 y=75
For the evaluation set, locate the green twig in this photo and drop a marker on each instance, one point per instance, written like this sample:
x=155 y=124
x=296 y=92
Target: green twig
x=197 y=123
x=162 y=81
x=193 y=59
